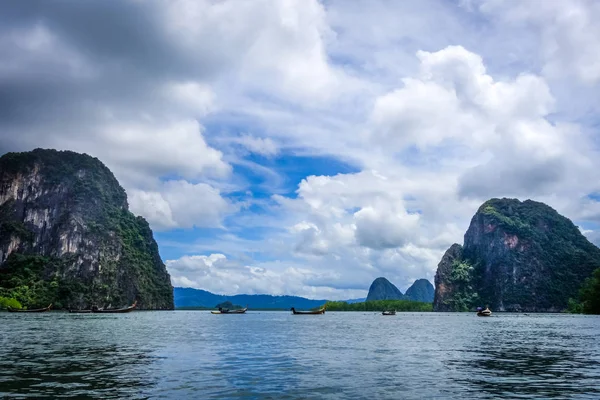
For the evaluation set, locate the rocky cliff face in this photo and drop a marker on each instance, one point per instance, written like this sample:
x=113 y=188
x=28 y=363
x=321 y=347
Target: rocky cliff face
x=65 y=224
x=382 y=289
x=421 y=290
x=517 y=256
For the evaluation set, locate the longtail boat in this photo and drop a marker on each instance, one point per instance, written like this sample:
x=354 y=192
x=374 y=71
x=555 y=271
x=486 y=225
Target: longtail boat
x=114 y=310
x=392 y=312
x=36 y=310
x=228 y=311
x=315 y=312
x=484 y=313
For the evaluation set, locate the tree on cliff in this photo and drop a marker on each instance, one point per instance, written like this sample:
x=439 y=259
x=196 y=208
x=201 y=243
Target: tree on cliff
x=589 y=296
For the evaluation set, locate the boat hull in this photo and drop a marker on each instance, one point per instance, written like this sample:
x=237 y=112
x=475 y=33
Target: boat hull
x=116 y=310
x=37 y=310
x=317 y=312
x=242 y=311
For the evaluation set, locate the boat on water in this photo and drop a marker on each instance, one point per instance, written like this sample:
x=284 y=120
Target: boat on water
x=314 y=312
x=228 y=311
x=389 y=312
x=483 y=313
x=35 y=310
x=97 y=310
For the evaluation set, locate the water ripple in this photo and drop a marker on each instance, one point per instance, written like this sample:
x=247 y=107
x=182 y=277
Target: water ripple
x=262 y=355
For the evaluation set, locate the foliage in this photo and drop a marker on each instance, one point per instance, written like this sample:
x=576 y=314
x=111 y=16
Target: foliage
x=379 y=305
x=462 y=272
x=464 y=296
x=15 y=228
x=588 y=301
x=228 y=305
x=6 y=302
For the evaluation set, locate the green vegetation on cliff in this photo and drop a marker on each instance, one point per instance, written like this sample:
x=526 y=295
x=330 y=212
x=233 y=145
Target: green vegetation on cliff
x=465 y=295
x=588 y=301
x=68 y=238
x=5 y=303
x=379 y=305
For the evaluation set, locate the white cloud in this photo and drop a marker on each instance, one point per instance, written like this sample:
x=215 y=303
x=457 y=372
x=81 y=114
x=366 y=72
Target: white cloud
x=197 y=98
x=181 y=204
x=257 y=145
x=568 y=31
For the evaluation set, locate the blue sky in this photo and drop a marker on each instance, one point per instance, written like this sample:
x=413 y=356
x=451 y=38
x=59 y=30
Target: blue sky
x=304 y=147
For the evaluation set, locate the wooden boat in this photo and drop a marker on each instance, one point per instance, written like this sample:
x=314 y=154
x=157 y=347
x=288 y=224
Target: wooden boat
x=228 y=311
x=35 y=310
x=392 y=312
x=114 y=310
x=315 y=312
x=484 y=313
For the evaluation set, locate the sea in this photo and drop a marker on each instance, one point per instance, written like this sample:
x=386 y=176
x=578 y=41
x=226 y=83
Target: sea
x=277 y=355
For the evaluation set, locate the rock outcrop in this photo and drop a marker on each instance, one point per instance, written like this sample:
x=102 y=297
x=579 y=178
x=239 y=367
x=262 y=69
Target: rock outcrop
x=67 y=236
x=382 y=289
x=517 y=256
x=421 y=290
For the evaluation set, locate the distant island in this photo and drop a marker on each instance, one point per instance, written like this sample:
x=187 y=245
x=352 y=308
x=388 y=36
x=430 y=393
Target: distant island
x=381 y=289
x=188 y=298
x=67 y=237
x=197 y=298
x=519 y=256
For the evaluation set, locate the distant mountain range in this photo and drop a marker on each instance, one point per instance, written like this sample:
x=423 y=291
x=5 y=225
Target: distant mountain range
x=188 y=297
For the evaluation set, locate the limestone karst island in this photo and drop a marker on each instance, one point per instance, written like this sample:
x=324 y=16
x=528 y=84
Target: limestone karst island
x=67 y=238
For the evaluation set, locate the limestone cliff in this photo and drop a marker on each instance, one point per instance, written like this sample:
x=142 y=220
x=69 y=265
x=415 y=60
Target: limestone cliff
x=382 y=289
x=67 y=236
x=517 y=256
x=421 y=290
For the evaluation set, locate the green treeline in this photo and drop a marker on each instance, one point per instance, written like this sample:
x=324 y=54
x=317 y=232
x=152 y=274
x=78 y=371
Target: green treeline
x=588 y=301
x=379 y=305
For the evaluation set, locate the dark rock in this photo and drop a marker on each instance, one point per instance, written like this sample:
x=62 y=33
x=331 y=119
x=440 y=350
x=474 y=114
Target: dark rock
x=382 y=289
x=517 y=256
x=421 y=290
x=444 y=288
x=64 y=220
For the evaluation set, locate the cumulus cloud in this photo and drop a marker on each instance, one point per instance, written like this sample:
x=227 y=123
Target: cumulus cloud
x=568 y=32
x=180 y=204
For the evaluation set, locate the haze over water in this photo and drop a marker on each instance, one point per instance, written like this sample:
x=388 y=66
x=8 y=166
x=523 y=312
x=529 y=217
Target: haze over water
x=193 y=354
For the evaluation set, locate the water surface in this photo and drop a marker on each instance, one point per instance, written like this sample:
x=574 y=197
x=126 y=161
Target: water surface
x=194 y=354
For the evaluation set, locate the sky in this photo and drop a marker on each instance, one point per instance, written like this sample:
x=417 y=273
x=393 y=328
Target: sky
x=308 y=147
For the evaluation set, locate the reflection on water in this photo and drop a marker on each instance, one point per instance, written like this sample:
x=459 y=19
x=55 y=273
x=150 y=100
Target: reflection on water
x=186 y=354
x=537 y=361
